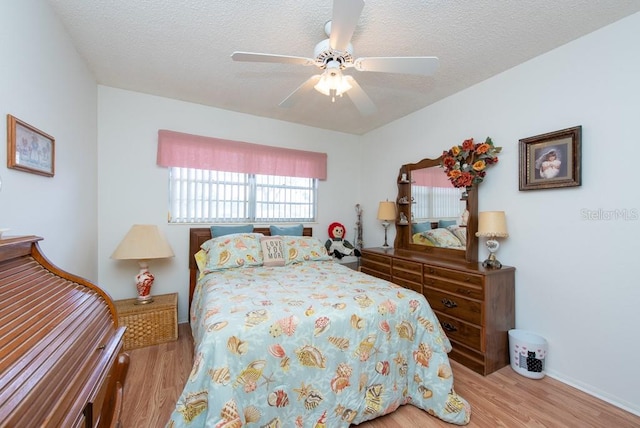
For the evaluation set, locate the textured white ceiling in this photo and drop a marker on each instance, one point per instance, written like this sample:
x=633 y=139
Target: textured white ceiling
x=181 y=49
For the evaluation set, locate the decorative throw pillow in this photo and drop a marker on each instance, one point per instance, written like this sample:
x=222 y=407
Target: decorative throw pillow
x=295 y=230
x=421 y=227
x=231 y=251
x=218 y=230
x=460 y=233
x=442 y=238
x=304 y=248
x=272 y=251
x=446 y=223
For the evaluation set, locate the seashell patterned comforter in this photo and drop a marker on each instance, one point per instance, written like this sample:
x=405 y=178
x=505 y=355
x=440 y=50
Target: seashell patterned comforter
x=313 y=344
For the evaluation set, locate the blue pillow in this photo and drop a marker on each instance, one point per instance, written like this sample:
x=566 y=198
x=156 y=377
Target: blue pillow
x=421 y=227
x=287 y=230
x=217 y=231
x=446 y=223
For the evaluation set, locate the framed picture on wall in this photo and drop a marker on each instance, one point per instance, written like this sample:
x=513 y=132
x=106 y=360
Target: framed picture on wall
x=29 y=149
x=551 y=160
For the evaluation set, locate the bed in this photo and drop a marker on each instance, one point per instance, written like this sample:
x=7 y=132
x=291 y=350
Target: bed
x=305 y=343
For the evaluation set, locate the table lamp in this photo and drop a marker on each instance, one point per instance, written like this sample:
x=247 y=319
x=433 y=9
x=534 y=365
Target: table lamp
x=386 y=213
x=491 y=225
x=143 y=242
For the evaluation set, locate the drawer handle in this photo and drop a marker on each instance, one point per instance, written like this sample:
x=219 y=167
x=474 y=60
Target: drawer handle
x=449 y=327
x=449 y=303
x=467 y=279
x=464 y=291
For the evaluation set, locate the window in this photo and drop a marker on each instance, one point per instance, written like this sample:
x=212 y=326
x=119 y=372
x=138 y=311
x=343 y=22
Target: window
x=204 y=196
x=436 y=202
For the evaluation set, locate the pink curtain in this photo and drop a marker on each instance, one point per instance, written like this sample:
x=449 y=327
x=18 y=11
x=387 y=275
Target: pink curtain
x=195 y=151
x=430 y=177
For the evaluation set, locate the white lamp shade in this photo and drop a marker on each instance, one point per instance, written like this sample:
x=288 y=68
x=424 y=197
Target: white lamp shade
x=387 y=211
x=143 y=242
x=492 y=224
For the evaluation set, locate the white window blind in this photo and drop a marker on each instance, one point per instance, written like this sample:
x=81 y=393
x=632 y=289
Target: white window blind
x=204 y=196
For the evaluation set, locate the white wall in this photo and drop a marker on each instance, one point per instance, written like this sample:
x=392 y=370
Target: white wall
x=575 y=282
x=44 y=83
x=133 y=189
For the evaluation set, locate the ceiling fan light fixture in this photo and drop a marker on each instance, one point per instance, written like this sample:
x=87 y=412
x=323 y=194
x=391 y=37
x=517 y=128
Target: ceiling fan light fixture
x=332 y=83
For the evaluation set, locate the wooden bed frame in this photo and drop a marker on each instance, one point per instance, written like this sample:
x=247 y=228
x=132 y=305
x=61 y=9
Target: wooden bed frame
x=199 y=235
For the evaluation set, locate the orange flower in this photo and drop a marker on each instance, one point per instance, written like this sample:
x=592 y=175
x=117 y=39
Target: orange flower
x=482 y=148
x=479 y=165
x=454 y=173
x=467 y=145
x=455 y=150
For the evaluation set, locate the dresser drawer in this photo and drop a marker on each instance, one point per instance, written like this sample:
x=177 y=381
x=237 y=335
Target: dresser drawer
x=455 y=306
x=467 y=278
x=415 y=286
x=466 y=290
x=411 y=271
x=371 y=263
x=376 y=273
x=460 y=331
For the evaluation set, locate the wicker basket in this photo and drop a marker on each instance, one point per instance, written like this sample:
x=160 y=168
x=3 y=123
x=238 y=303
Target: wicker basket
x=149 y=324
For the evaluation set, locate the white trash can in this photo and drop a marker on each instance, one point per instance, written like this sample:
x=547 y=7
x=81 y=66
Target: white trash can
x=527 y=352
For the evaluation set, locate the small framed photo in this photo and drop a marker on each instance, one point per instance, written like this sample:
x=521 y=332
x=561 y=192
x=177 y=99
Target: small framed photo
x=29 y=149
x=551 y=160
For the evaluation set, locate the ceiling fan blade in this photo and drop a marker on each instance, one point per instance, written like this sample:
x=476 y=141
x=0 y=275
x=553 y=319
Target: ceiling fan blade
x=343 y=22
x=262 y=57
x=300 y=91
x=424 y=65
x=359 y=97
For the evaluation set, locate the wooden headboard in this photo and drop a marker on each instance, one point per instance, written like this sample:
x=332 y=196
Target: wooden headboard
x=199 y=235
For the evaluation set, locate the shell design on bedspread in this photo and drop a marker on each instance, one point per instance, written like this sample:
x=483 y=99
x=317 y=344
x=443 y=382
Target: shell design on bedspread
x=341 y=380
x=278 y=398
x=341 y=343
x=363 y=350
x=250 y=375
x=256 y=317
x=428 y=325
x=405 y=330
x=311 y=356
x=237 y=346
x=193 y=405
x=422 y=355
x=220 y=375
x=224 y=257
x=230 y=416
x=357 y=322
x=321 y=325
x=373 y=399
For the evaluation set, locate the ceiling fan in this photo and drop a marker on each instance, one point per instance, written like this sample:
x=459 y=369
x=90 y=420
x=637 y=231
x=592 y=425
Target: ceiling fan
x=335 y=54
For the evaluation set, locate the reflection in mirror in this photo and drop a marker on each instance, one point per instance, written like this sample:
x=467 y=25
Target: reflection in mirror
x=437 y=205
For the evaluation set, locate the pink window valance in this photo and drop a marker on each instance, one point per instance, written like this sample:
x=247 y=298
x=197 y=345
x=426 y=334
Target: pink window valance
x=176 y=149
x=430 y=177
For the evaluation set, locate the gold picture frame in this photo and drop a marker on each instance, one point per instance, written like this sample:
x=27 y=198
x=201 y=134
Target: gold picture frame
x=29 y=149
x=551 y=160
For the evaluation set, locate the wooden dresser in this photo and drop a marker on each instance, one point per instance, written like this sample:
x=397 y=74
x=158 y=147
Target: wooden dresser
x=475 y=306
x=60 y=360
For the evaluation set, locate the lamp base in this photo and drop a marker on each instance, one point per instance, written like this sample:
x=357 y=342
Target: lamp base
x=144 y=281
x=492 y=262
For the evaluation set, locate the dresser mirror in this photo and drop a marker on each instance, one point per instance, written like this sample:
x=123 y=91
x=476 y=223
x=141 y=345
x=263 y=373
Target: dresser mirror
x=433 y=216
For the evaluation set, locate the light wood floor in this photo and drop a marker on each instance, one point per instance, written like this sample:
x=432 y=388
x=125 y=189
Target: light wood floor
x=503 y=399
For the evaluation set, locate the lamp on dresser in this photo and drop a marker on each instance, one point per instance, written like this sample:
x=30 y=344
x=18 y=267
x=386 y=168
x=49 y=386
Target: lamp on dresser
x=143 y=242
x=492 y=225
x=386 y=213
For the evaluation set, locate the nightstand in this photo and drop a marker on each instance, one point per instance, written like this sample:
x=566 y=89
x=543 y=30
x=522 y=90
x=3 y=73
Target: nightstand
x=149 y=324
x=351 y=262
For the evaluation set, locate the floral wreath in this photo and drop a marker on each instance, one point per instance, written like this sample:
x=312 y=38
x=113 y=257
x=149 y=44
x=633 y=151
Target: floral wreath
x=466 y=164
